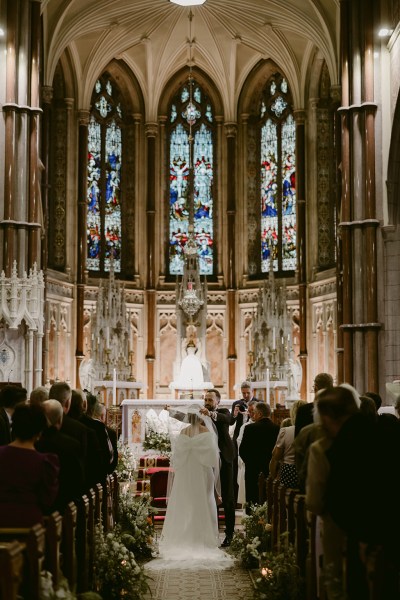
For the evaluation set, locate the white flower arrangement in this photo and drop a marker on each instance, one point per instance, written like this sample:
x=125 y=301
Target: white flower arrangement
x=136 y=524
x=117 y=573
x=127 y=463
x=62 y=592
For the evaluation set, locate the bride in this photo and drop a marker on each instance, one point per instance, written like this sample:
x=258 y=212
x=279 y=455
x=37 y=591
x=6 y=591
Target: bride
x=190 y=532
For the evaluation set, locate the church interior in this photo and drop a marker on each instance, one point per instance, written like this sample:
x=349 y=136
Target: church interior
x=196 y=194
x=270 y=128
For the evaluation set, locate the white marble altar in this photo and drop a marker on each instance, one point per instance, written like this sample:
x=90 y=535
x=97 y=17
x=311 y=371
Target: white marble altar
x=115 y=392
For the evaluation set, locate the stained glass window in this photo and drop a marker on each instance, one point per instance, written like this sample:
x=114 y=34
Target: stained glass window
x=104 y=178
x=277 y=177
x=191 y=189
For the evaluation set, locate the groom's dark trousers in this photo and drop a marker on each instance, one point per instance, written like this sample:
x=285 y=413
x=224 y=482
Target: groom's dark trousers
x=222 y=422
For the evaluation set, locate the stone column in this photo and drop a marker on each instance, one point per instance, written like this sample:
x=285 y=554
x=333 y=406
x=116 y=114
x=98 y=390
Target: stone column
x=47 y=96
x=81 y=238
x=299 y=116
x=358 y=210
x=151 y=133
x=231 y=131
x=35 y=164
x=10 y=163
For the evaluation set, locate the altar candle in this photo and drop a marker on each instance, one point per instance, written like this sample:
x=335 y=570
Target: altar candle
x=115 y=387
x=108 y=337
x=273 y=339
x=267 y=386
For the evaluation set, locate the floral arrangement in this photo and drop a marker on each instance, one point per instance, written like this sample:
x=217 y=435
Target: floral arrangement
x=117 y=574
x=126 y=462
x=47 y=591
x=157 y=441
x=136 y=524
x=279 y=577
x=254 y=539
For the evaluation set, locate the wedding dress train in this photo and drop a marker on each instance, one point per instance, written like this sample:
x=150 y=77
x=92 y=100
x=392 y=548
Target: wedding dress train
x=189 y=538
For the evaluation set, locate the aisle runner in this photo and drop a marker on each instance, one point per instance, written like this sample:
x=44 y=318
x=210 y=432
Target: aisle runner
x=230 y=584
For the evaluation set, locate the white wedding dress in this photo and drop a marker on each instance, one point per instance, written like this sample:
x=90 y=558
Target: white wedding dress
x=189 y=538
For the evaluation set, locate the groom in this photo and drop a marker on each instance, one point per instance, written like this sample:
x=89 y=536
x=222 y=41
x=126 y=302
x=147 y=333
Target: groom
x=222 y=420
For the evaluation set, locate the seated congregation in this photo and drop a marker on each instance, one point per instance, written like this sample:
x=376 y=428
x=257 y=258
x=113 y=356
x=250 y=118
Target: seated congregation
x=318 y=489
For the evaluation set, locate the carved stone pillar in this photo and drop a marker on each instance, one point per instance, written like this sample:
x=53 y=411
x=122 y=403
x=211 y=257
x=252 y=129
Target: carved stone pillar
x=35 y=164
x=230 y=131
x=151 y=133
x=10 y=163
x=358 y=211
x=81 y=241
x=299 y=116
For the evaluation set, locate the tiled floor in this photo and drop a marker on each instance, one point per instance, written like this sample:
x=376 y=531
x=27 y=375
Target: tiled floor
x=230 y=584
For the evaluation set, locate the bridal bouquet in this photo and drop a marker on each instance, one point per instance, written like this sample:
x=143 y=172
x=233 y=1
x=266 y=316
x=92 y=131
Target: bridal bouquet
x=117 y=573
x=136 y=524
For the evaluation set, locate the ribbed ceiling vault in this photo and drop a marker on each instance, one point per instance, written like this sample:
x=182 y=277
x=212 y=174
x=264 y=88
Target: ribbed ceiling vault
x=152 y=36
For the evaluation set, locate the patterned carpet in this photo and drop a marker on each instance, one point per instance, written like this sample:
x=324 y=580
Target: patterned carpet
x=230 y=584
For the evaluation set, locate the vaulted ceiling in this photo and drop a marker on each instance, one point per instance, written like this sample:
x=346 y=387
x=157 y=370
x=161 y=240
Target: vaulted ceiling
x=229 y=37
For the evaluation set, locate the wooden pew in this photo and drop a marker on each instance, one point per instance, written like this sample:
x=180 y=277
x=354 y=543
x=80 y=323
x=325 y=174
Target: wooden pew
x=53 y=525
x=290 y=495
x=68 y=545
x=90 y=533
x=11 y=564
x=301 y=531
x=107 y=509
x=98 y=513
x=311 y=560
x=82 y=548
x=270 y=498
x=115 y=495
x=34 y=541
x=282 y=518
x=275 y=514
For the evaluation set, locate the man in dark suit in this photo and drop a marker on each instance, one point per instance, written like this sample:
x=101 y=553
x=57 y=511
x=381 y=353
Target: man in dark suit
x=222 y=419
x=256 y=449
x=10 y=396
x=71 y=480
x=62 y=392
x=239 y=414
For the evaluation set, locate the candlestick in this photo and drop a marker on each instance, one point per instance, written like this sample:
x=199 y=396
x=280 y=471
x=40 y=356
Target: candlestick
x=115 y=387
x=273 y=339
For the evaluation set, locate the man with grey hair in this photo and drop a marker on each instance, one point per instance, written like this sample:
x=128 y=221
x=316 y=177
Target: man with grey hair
x=39 y=395
x=258 y=442
x=62 y=392
x=71 y=475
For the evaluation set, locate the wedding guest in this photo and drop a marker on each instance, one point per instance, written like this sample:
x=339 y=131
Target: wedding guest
x=29 y=479
x=258 y=441
x=10 y=396
x=61 y=391
x=283 y=456
x=71 y=478
x=39 y=395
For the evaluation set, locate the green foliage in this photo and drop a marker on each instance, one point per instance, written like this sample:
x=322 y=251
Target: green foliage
x=279 y=577
x=117 y=573
x=157 y=441
x=136 y=524
x=254 y=539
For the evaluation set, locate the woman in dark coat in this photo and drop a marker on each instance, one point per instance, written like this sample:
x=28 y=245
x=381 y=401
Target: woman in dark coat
x=28 y=479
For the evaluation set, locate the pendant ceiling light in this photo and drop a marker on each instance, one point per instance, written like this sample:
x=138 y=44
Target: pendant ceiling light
x=188 y=2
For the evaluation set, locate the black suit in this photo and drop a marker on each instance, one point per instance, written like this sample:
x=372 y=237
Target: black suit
x=112 y=434
x=227 y=453
x=71 y=480
x=5 y=428
x=258 y=441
